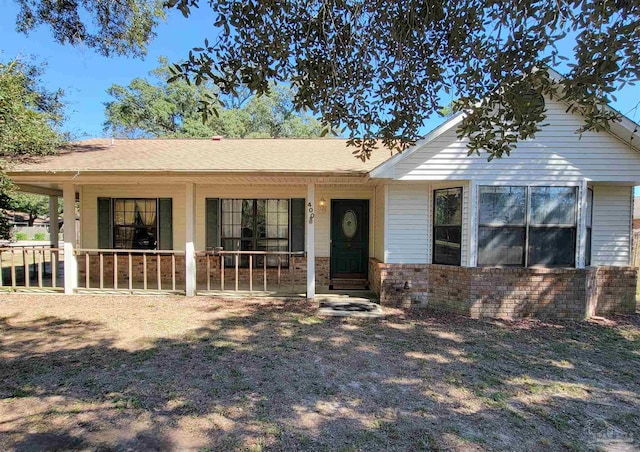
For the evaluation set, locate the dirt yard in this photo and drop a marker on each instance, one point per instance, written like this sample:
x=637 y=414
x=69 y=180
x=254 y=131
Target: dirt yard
x=170 y=373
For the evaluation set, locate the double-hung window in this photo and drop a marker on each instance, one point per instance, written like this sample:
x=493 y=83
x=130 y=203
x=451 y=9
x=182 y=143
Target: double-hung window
x=527 y=226
x=447 y=226
x=135 y=223
x=255 y=225
x=552 y=226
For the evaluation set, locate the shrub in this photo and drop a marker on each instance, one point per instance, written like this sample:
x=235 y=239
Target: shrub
x=39 y=236
x=21 y=236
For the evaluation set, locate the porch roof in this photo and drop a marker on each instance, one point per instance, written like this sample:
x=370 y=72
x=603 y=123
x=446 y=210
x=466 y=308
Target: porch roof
x=318 y=156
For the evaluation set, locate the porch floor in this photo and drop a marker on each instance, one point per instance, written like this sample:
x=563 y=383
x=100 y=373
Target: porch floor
x=285 y=290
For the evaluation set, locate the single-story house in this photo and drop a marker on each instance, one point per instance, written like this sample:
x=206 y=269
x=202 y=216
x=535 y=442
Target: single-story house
x=544 y=232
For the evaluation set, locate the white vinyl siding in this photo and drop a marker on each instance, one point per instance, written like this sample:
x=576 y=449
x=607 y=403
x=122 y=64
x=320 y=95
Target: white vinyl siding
x=557 y=154
x=409 y=222
x=408 y=226
x=611 y=230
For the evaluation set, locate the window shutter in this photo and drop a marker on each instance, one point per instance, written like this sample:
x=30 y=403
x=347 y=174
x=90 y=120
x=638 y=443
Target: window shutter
x=212 y=224
x=105 y=231
x=297 y=224
x=165 y=222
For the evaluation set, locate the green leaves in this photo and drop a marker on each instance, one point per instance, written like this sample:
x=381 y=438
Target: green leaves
x=29 y=120
x=379 y=69
x=178 y=108
x=29 y=114
x=120 y=27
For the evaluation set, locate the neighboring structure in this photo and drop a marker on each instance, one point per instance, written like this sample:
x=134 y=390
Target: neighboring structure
x=636 y=213
x=545 y=232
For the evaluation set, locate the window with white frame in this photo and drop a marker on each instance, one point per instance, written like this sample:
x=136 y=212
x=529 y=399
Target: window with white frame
x=527 y=226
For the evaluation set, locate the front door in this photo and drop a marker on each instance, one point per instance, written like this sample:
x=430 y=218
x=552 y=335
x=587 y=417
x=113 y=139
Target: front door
x=349 y=238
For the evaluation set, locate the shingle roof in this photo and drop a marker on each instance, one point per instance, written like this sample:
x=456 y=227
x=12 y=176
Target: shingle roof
x=227 y=155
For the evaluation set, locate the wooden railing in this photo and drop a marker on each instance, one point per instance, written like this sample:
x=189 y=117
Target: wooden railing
x=114 y=269
x=34 y=267
x=219 y=257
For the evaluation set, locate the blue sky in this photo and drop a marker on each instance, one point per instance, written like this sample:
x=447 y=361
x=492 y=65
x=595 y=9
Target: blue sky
x=85 y=75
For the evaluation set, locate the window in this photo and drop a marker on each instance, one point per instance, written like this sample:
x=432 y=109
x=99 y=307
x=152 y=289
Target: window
x=587 y=256
x=501 y=234
x=255 y=225
x=447 y=226
x=552 y=226
x=527 y=226
x=135 y=224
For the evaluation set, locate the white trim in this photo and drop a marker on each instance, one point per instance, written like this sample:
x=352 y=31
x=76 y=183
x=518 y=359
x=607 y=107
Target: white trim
x=53 y=222
x=381 y=171
x=386 y=169
x=581 y=230
x=385 y=241
x=472 y=260
x=630 y=259
x=430 y=226
x=311 y=240
x=70 y=258
x=189 y=247
x=520 y=183
x=625 y=123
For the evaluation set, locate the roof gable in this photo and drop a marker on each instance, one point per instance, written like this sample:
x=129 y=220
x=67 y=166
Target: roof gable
x=557 y=153
x=625 y=130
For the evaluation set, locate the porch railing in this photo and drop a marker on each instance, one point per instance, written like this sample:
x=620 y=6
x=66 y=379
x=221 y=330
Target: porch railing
x=282 y=278
x=33 y=267
x=103 y=269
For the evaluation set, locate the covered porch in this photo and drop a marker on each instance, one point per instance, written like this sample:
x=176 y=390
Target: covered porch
x=195 y=263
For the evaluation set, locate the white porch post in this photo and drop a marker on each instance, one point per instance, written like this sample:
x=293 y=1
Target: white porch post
x=473 y=225
x=53 y=221
x=189 y=248
x=311 y=238
x=70 y=259
x=581 y=249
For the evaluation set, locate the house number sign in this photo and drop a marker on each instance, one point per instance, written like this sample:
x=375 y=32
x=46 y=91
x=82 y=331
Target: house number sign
x=311 y=214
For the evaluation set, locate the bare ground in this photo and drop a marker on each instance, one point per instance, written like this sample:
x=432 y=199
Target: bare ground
x=171 y=373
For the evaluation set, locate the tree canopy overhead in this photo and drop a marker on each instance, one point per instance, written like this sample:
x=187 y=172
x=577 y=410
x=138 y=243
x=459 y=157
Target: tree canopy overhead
x=379 y=68
x=153 y=107
x=30 y=116
x=29 y=113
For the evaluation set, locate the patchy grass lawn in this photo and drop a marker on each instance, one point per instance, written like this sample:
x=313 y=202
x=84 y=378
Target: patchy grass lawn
x=163 y=373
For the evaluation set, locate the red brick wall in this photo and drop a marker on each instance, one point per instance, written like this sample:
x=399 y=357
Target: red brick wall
x=615 y=291
x=508 y=292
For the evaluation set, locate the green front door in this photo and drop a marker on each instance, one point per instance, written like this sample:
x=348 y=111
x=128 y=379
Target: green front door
x=349 y=238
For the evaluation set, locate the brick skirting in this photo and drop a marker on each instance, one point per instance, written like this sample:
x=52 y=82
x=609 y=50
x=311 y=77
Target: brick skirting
x=508 y=293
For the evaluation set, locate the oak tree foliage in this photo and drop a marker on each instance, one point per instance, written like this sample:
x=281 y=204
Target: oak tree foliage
x=152 y=107
x=379 y=68
x=30 y=119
